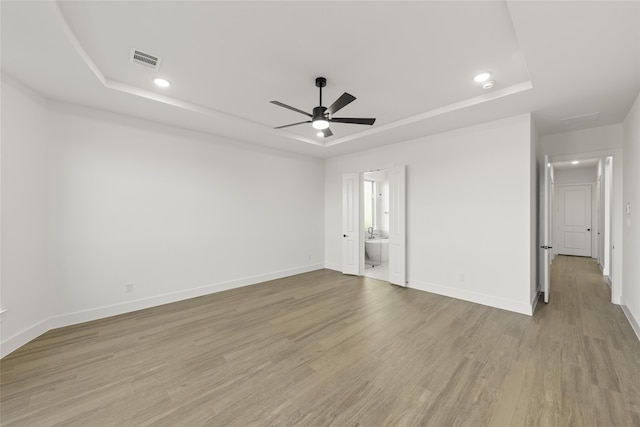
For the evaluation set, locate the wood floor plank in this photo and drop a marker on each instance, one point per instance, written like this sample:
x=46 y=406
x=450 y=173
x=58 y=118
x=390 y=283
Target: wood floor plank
x=322 y=349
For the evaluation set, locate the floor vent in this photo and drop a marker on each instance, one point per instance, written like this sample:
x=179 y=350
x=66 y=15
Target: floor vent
x=145 y=59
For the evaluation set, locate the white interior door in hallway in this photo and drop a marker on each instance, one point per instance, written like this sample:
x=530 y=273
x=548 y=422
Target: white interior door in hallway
x=574 y=220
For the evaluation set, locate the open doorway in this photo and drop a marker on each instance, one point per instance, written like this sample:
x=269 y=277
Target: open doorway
x=354 y=232
x=579 y=217
x=582 y=218
x=376 y=224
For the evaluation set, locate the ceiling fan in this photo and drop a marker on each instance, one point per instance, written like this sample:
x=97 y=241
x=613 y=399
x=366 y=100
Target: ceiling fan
x=322 y=116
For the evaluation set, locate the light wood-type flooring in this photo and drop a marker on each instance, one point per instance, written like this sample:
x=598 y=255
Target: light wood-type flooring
x=326 y=349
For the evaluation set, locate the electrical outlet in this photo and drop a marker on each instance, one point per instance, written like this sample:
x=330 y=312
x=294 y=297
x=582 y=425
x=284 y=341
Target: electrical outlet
x=128 y=288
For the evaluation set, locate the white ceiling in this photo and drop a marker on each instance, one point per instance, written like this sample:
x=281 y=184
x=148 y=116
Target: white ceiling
x=410 y=64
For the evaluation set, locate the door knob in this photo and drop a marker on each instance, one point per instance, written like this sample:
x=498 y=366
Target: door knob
x=344 y=235
x=588 y=229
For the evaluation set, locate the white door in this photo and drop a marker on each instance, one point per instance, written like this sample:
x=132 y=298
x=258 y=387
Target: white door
x=397 y=227
x=351 y=241
x=574 y=220
x=546 y=241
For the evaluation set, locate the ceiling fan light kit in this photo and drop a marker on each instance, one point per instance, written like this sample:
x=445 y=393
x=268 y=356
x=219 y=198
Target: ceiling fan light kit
x=322 y=116
x=320 y=124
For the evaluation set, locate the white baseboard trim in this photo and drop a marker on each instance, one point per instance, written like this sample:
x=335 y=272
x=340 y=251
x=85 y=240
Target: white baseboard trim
x=635 y=325
x=474 y=297
x=534 y=301
x=20 y=339
x=127 y=307
x=335 y=267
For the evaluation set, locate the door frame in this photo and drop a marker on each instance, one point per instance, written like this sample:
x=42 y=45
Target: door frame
x=593 y=228
x=547 y=226
x=360 y=209
x=615 y=225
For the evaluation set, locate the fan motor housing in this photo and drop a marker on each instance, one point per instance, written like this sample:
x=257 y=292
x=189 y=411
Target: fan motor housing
x=318 y=113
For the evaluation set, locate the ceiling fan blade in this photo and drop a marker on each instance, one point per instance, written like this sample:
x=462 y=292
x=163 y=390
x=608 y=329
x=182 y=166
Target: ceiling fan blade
x=291 y=108
x=327 y=133
x=354 y=121
x=292 y=124
x=341 y=102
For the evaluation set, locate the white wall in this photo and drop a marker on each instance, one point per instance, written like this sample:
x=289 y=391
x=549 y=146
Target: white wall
x=630 y=299
x=582 y=141
x=578 y=175
x=175 y=213
x=384 y=208
x=171 y=211
x=469 y=210
x=25 y=291
x=536 y=254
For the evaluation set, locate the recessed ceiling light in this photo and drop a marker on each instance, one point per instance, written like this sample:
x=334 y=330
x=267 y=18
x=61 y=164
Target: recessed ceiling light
x=575 y=162
x=482 y=77
x=488 y=85
x=161 y=82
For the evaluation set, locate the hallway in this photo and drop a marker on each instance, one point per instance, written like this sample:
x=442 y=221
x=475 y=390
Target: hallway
x=589 y=357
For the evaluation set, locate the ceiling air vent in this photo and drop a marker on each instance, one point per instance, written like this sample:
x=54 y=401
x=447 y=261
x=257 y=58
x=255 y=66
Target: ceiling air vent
x=569 y=121
x=145 y=59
